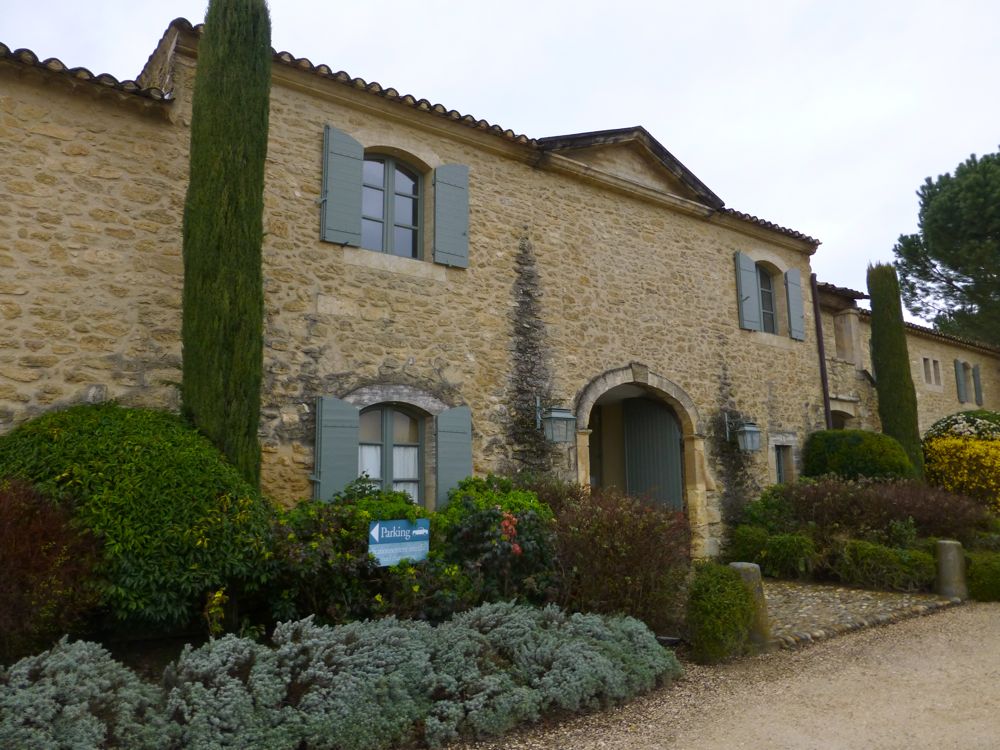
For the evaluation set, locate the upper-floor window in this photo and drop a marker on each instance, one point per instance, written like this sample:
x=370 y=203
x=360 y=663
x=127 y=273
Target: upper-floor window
x=768 y=310
x=390 y=207
x=968 y=382
x=377 y=201
x=932 y=371
x=760 y=306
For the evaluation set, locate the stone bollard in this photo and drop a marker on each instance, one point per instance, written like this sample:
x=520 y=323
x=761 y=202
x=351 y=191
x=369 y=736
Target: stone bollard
x=760 y=628
x=951 y=570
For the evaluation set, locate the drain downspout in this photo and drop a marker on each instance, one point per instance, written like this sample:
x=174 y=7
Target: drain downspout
x=821 y=349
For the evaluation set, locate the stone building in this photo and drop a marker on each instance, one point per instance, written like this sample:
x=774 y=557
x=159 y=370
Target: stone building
x=412 y=256
x=950 y=374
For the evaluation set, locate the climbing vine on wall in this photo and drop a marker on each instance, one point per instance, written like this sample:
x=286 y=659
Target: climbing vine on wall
x=733 y=466
x=530 y=382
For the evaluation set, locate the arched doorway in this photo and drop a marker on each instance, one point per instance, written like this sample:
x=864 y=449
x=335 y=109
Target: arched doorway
x=636 y=445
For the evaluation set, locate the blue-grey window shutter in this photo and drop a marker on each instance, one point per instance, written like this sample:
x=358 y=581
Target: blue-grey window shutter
x=454 y=450
x=977 y=383
x=963 y=394
x=336 y=456
x=796 y=317
x=340 y=214
x=451 y=215
x=748 y=292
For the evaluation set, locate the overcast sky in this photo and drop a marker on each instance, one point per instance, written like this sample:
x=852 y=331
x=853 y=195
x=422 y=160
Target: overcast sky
x=824 y=117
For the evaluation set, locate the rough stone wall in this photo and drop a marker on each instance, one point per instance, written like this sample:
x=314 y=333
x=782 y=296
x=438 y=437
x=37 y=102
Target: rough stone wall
x=90 y=264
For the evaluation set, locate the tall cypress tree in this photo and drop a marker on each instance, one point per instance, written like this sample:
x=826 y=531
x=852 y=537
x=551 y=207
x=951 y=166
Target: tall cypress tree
x=897 y=399
x=222 y=327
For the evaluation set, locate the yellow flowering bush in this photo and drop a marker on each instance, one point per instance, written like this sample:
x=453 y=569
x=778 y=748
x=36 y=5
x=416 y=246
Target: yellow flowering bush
x=965 y=465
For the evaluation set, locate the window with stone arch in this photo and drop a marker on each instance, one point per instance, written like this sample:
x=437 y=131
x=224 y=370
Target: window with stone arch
x=399 y=436
x=761 y=304
x=391 y=206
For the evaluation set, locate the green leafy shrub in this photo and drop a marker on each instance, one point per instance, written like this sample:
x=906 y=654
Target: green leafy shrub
x=501 y=536
x=720 y=611
x=862 y=563
x=484 y=493
x=321 y=564
x=606 y=562
x=46 y=587
x=75 y=695
x=173 y=518
x=747 y=543
x=983 y=576
x=778 y=555
x=431 y=589
x=789 y=556
x=771 y=511
x=851 y=454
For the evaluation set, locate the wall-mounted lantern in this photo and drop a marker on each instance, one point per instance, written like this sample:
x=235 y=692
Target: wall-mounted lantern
x=558 y=425
x=747 y=433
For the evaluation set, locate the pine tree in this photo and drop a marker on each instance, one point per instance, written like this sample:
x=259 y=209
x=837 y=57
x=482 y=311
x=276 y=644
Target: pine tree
x=223 y=303
x=897 y=399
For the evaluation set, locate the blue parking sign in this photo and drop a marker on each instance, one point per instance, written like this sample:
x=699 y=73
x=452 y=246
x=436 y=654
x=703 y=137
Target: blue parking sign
x=392 y=541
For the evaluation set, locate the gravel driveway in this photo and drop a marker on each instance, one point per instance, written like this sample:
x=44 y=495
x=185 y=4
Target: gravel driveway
x=929 y=682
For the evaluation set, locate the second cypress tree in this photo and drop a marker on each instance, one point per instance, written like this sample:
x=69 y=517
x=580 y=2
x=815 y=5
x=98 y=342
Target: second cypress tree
x=897 y=399
x=223 y=304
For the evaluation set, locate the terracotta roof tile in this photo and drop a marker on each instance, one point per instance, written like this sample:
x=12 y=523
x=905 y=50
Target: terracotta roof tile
x=841 y=291
x=928 y=331
x=55 y=65
x=771 y=225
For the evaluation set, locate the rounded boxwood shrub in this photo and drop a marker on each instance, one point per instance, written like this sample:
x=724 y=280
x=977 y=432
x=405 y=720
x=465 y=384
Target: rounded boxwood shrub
x=719 y=613
x=851 y=454
x=173 y=519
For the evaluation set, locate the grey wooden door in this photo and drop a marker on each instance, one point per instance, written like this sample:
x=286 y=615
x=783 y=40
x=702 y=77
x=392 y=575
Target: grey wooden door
x=653 y=452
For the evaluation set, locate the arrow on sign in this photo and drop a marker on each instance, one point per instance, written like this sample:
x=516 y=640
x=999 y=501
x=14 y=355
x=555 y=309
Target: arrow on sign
x=374 y=533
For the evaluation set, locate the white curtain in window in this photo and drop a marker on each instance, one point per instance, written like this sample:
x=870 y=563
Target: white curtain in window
x=370 y=460
x=404 y=462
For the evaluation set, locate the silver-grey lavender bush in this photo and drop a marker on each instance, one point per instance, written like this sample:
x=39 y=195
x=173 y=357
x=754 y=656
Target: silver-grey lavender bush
x=361 y=686
x=76 y=696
